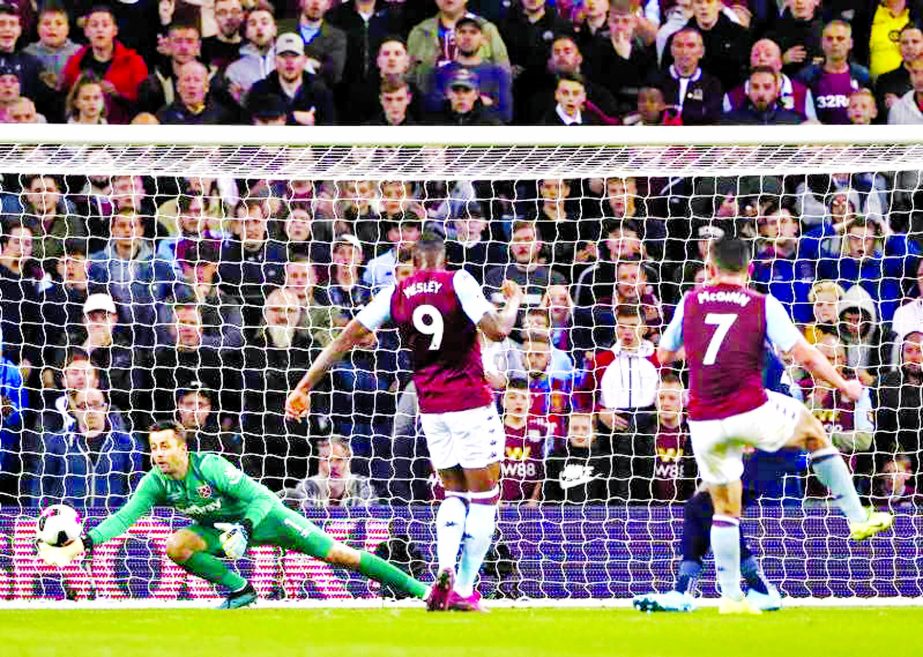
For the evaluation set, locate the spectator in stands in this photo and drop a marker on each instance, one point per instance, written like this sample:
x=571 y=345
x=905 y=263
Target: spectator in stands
x=620 y=242
x=347 y=292
x=275 y=359
x=431 y=43
x=560 y=307
x=380 y=270
x=14 y=404
x=19 y=317
x=54 y=46
x=93 y=464
x=395 y=98
x=570 y=103
x=566 y=59
x=793 y=95
x=10 y=88
x=778 y=268
x=652 y=109
x=894 y=483
x=686 y=85
x=725 y=43
x=298 y=229
x=76 y=373
x=184 y=44
x=86 y=101
x=876 y=26
x=798 y=31
x=267 y=110
x=257 y=55
x=194 y=411
x=580 y=471
x=523 y=466
x=593 y=23
x=550 y=389
x=560 y=227
x=253 y=262
x=309 y=100
x=42 y=207
x=861 y=334
x=188 y=359
x=764 y=106
x=463 y=104
x=538 y=320
x=121 y=69
x=824 y=297
x=65 y=293
x=190 y=220
x=494 y=81
x=468 y=244
x=316 y=317
x=892 y=85
x=833 y=81
x=673 y=475
x=526 y=269
x=909 y=316
x=906 y=111
x=334 y=484
x=129 y=272
x=862 y=109
x=23 y=111
x=621 y=59
x=123 y=368
x=324 y=44
x=26 y=67
x=393 y=66
x=223 y=47
x=900 y=400
x=528 y=32
x=194 y=105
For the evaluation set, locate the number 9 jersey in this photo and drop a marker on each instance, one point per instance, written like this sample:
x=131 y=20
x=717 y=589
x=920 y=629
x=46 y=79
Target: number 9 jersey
x=437 y=312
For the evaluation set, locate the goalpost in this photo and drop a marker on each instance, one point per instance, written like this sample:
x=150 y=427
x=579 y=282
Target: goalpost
x=652 y=196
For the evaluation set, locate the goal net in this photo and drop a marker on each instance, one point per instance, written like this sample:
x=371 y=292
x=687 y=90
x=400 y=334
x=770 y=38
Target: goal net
x=193 y=273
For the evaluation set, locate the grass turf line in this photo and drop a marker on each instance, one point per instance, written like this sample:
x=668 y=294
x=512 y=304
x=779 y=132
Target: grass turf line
x=825 y=632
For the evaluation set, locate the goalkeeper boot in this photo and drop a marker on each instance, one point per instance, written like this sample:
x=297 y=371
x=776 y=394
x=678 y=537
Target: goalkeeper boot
x=769 y=601
x=470 y=603
x=441 y=591
x=246 y=596
x=672 y=601
x=877 y=521
x=742 y=607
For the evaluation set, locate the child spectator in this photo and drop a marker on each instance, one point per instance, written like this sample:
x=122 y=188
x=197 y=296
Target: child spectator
x=527 y=437
x=86 y=101
x=824 y=298
x=674 y=471
x=652 y=110
x=862 y=109
x=54 y=46
x=579 y=472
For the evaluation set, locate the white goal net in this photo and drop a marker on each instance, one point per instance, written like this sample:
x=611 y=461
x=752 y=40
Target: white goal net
x=193 y=274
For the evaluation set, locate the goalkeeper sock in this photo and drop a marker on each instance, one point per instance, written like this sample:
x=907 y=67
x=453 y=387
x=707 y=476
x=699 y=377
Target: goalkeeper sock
x=833 y=473
x=381 y=571
x=753 y=576
x=213 y=570
x=479 y=532
x=450 y=527
x=725 y=543
x=688 y=576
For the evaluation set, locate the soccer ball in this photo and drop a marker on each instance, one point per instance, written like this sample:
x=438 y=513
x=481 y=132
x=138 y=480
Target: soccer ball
x=58 y=525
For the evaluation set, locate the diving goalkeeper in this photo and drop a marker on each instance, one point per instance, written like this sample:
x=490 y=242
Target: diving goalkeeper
x=231 y=512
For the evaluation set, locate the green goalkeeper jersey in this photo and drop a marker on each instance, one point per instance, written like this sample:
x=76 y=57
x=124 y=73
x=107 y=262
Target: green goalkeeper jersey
x=213 y=490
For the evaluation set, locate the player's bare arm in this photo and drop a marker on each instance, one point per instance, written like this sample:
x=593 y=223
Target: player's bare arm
x=498 y=325
x=299 y=403
x=810 y=358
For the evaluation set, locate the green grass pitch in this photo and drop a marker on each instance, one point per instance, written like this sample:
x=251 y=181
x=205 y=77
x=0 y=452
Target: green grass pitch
x=821 y=632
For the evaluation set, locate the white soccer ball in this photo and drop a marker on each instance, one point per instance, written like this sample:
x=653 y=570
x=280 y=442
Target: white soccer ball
x=58 y=525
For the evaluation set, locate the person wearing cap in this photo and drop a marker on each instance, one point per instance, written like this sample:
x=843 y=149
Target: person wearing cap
x=900 y=400
x=27 y=67
x=463 y=105
x=267 y=109
x=121 y=69
x=494 y=82
x=325 y=45
x=9 y=91
x=431 y=43
x=257 y=56
x=194 y=105
x=309 y=101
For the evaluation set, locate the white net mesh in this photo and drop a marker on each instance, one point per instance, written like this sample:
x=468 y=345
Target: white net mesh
x=197 y=282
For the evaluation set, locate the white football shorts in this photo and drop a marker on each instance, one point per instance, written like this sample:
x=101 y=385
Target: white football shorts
x=718 y=444
x=472 y=439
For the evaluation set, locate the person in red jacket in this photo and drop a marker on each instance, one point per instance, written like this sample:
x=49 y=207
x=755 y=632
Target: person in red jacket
x=121 y=69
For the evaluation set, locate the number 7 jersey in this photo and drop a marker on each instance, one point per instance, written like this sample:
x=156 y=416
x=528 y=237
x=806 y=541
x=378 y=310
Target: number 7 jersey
x=437 y=312
x=724 y=329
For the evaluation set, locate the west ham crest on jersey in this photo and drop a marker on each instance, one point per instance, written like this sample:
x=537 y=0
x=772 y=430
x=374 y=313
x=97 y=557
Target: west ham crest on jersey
x=204 y=491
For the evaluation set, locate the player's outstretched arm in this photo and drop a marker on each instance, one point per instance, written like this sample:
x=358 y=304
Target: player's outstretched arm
x=496 y=325
x=298 y=403
x=810 y=358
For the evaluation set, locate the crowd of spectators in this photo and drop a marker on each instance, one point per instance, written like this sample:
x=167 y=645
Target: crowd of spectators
x=462 y=62
x=132 y=299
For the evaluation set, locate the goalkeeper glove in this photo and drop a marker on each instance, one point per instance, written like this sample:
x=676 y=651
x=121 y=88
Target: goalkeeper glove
x=65 y=554
x=234 y=537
